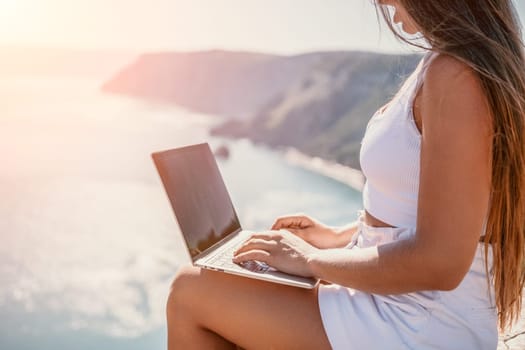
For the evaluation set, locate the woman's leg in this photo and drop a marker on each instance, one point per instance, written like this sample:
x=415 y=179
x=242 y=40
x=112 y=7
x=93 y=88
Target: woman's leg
x=215 y=310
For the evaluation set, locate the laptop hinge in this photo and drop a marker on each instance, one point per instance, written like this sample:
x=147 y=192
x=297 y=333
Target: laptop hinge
x=213 y=247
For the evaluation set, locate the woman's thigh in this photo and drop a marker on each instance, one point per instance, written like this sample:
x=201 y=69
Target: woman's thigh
x=250 y=313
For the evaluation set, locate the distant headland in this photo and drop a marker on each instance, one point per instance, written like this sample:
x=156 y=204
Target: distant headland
x=318 y=103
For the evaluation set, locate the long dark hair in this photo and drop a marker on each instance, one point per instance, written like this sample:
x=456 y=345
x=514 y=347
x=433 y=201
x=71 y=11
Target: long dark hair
x=486 y=35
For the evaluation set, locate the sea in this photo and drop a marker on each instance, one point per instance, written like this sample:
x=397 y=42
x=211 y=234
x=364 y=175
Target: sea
x=88 y=241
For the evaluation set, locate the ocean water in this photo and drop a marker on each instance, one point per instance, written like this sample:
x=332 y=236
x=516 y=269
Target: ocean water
x=88 y=242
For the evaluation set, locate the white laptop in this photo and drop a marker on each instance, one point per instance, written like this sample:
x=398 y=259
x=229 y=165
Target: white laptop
x=206 y=216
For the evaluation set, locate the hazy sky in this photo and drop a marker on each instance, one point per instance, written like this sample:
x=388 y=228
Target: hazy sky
x=285 y=26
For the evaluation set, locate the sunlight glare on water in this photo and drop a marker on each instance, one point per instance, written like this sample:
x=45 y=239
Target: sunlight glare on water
x=89 y=241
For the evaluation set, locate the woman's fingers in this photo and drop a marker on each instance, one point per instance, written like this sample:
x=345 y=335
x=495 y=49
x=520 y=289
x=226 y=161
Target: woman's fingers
x=259 y=255
x=287 y=221
x=280 y=249
x=298 y=221
x=256 y=244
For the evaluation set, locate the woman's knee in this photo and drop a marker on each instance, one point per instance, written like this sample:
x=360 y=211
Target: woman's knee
x=182 y=289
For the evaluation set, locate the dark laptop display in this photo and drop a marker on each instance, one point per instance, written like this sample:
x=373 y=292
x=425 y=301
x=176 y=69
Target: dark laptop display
x=204 y=210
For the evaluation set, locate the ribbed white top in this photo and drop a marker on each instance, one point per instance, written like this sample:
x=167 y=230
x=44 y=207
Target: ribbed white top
x=389 y=156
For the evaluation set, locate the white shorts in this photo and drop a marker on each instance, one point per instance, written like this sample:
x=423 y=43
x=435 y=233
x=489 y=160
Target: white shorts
x=462 y=319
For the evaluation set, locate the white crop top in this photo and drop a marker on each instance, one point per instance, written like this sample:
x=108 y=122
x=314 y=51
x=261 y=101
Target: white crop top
x=389 y=156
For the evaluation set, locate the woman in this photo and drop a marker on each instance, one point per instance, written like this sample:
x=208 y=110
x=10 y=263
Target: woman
x=435 y=259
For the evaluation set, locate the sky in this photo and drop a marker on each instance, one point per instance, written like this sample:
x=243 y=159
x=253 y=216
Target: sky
x=279 y=26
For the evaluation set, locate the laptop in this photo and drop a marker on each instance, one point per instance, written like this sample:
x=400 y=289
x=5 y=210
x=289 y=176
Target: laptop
x=206 y=216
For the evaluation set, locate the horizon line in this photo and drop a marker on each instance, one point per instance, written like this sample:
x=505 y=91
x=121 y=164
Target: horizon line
x=143 y=51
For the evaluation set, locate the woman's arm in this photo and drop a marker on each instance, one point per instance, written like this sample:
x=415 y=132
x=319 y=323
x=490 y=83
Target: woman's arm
x=316 y=233
x=453 y=200
x=453 y=195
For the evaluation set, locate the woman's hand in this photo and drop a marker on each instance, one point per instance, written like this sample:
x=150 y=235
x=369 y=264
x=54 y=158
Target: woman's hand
x=312 y=231
x=279 y=249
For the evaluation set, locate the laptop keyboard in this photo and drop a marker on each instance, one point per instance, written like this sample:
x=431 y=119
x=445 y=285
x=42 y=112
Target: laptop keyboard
x=224 y=260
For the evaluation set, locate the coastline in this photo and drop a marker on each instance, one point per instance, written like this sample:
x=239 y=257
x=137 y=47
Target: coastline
x=336 y=171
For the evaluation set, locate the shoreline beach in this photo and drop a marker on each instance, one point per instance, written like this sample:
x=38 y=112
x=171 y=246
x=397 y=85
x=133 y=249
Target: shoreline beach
x=336 y=171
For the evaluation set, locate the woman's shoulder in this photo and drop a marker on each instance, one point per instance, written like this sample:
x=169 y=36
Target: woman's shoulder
x=445 y=72
x=453 y=82
x=453 y=99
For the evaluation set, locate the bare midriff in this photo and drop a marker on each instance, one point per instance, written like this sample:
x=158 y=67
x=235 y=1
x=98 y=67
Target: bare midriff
x=370 y=220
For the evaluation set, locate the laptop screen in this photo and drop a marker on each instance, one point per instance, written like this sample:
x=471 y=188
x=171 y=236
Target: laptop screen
x=198 y=196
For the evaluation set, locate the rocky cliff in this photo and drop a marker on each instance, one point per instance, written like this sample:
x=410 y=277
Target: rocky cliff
x=318 y=103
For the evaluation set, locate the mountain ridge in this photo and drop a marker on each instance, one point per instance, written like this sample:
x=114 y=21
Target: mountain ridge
x=318 y=102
